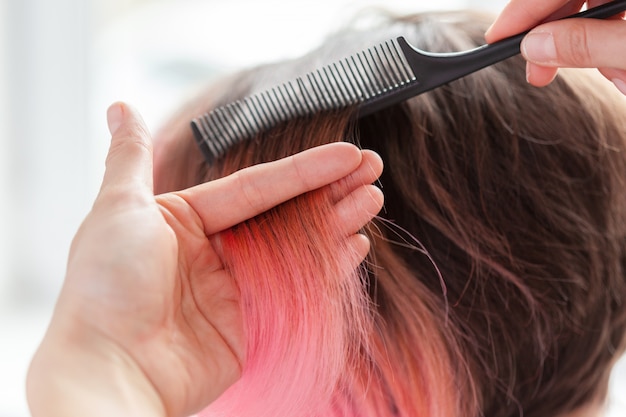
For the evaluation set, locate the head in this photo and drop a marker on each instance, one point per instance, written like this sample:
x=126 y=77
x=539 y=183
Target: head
x=496 y=282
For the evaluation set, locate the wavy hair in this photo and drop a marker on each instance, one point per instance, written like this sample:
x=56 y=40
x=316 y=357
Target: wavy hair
x=496 y=282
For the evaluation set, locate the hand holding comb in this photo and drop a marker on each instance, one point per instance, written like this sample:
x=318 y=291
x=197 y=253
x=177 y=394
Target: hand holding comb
x=370 y=80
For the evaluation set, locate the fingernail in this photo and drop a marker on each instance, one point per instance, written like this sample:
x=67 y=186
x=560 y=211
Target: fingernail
x=620 y=84
x=115 y=117
x=539 y=47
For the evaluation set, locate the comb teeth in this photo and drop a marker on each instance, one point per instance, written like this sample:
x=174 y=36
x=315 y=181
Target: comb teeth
x=349 y=82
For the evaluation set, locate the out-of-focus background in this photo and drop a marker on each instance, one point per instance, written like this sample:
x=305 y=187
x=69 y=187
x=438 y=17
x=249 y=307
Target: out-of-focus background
x=62 y=63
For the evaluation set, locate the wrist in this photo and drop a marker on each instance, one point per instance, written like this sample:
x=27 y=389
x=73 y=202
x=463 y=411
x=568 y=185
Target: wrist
x=88 y=377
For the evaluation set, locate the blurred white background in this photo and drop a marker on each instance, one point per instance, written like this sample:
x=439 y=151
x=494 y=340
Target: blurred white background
x=62 y=63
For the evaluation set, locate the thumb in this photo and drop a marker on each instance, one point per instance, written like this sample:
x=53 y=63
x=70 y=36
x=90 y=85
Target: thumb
x=580 y=43
x=129 y=161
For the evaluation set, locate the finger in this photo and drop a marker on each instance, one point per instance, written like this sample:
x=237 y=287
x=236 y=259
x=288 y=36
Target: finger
x=520 y=15
x=358 y=208
x=230 y=200
x=595 y=3
x=580 y=43
x=360 y=244
x=570 y=8
x=370 y=169
x=618 y=77
x=129 y=161
x=540 y=76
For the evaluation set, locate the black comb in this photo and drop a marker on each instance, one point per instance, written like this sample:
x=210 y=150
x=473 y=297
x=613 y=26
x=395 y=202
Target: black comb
x=370 y=80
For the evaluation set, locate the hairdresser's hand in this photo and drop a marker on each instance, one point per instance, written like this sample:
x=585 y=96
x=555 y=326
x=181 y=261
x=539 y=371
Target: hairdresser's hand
x=148 y=322
x=581 y=43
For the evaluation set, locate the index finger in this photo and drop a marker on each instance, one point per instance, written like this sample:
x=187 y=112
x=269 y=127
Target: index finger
x=520 y=15
x=223 y=203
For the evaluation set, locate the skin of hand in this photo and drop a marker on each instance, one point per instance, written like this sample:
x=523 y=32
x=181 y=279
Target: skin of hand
x=579 y=43
x=147 y=322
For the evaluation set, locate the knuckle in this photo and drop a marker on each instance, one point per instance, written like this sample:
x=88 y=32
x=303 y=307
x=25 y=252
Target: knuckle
x=301 y=178
x=131 y=146
x=123 y=197
x=253 y=196
x=575 y=48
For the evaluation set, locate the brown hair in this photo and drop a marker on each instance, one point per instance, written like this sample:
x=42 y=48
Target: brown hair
x=503 y=232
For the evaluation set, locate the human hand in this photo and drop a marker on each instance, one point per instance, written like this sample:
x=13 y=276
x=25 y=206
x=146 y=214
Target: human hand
x=580 y=43
x=147 y=321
